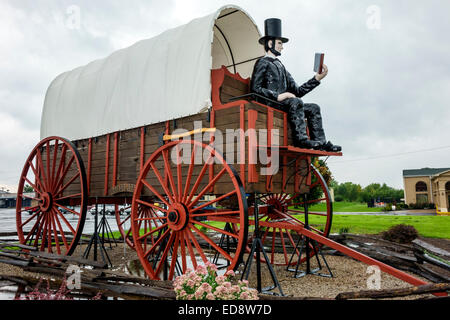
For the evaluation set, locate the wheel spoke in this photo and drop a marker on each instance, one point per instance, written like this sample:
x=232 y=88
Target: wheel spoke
x=63 y=236
x=283 y=244
x=63 y=175
x=189 y=176
x=124 y=220
x=208 y=186
x=199 y=179
x=31 y=218
x=191 y=250
x=40 y=165
x=218 y=213
x=215 y=229
x=55 y=233
x=71 y=196
x=214 y=200
x=183 y=251
x=160 y=197
x=165 y=252
x=169 y=173
x=174 y=256
x=179 y=175
x=38 y=180
x=60 y=164
x=197 y=246
x=47 y=162
x=71 y=180
x=65 y=221
x=65 y=208
x=32 y=185
x=152 y=231
x=164 y=235
x=148 y=204
x=36 y=225
x=44 y=235
x=55 y=156
x=213 y=244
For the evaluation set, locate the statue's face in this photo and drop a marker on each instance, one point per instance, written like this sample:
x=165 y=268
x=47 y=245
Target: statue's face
x=278 y=45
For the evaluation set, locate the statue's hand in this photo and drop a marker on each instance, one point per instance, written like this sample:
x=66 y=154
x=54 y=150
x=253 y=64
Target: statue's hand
x=284 y=96
x=320 y=76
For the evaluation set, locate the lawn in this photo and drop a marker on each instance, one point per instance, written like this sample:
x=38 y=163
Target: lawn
x=427 y=226
x=345 y=207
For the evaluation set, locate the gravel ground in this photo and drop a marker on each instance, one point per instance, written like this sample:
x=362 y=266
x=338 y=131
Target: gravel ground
x=348 y=275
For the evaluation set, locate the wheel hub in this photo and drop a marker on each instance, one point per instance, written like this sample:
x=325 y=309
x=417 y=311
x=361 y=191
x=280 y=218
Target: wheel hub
x=177 y=216
x=46 y=201
x=278 y=205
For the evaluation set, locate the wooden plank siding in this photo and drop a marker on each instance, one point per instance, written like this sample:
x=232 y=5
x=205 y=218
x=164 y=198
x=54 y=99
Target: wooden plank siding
x=114 y=167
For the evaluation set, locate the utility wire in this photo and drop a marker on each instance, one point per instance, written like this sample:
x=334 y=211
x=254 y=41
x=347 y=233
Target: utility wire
x=391 y=155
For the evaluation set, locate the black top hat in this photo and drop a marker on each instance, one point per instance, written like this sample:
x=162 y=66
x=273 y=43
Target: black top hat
x=272 y=29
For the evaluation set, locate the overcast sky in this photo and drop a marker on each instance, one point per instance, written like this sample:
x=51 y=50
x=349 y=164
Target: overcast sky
x=385 y=99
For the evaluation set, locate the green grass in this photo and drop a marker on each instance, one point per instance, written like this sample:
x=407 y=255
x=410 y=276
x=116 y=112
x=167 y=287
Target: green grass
x=427 y=226
x=345 y=207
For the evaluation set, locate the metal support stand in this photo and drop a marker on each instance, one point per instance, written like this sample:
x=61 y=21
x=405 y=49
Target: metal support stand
x=225 y=244
x=256 y=250
x=308 y=244
x=99 y=242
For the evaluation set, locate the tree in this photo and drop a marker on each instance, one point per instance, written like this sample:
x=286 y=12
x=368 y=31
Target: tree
x=348 y=191
x=28 y=188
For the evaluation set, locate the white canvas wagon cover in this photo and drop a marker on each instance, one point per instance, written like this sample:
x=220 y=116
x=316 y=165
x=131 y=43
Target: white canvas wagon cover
x=158 y=79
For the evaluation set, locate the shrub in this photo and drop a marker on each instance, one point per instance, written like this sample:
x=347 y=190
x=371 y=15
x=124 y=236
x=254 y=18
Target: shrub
x=422 y=205
x=344 y=230
x=205 y=284
x=402 y=206
x=400 y=233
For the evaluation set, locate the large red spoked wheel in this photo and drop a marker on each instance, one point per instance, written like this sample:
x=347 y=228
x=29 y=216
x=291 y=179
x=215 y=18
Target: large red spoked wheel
x=56 y=173
x=188 y=229
x=285 y=210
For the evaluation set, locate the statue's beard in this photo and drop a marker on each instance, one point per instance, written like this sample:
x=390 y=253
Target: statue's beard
x=275 y=52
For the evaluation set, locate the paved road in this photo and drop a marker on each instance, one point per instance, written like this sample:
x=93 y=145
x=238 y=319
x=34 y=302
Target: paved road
x=8 y=221
x=395 y=213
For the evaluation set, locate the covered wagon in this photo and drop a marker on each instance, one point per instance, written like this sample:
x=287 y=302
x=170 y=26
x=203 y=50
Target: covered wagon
x=166 y=128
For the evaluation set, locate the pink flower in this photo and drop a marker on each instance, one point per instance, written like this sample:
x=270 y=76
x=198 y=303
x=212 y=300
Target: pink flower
x=230 y=273
x=220 y=279
x=199 y=293
x=206 y=287
x=190 y=283
x=244 y=295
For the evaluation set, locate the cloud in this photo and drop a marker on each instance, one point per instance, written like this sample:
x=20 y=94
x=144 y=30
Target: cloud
x=386 y=93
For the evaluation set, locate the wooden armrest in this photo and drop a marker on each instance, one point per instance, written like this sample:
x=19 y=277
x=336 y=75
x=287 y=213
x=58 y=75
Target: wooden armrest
x=253 y=96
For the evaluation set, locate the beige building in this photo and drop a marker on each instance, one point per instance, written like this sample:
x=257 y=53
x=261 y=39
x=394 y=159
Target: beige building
x=428 y=185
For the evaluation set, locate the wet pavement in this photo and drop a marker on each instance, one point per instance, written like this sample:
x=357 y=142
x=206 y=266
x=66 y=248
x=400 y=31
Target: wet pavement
x=393 y=213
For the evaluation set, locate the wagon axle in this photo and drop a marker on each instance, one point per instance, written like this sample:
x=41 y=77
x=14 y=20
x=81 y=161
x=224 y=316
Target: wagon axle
x=46 y=201
x=178 y=216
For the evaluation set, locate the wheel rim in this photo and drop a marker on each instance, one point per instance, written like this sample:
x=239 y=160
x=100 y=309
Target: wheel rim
x=55 y=171
x=124 y=223
x=183 y=222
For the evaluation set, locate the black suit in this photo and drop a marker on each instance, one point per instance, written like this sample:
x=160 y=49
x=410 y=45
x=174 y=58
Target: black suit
x=270 y=78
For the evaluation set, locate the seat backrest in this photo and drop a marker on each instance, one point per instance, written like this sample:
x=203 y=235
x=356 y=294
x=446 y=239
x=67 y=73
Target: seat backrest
x=226 y=85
